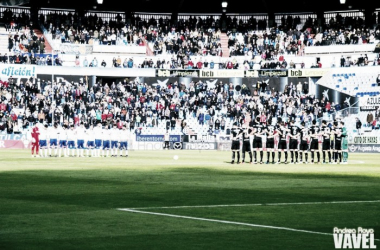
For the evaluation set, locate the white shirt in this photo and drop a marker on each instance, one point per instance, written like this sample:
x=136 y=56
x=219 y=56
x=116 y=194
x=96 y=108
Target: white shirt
x=43 y=134
x=166 y=137
x=115 y=135
x=71 y=136
x=98 y=133
x=90 y=135
x=106 y=135
x=125 y=135
x=62 y=135
x=80 y=133
x=53 y=133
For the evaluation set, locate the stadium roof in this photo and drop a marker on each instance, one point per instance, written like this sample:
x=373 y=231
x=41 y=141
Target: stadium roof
x=201 y=6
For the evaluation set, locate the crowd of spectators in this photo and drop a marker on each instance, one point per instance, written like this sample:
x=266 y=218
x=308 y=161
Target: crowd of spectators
x=139 y=105
x=193 y=37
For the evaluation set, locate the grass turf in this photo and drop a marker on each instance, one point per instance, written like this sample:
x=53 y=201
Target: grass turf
x=70 y=203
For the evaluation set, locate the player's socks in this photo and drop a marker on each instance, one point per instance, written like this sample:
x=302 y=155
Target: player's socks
x=319 y=156
x=324 y=156
x=286 y=156
x=250 y=156
x=296 y=155
x=126 y=152
x=261 y=156
x=255 y=155
x=238 y=156
x=268 y=155
x=279 y=156
x=335 y=156
x=306 y=156
x=340 y=156
x=273 y=154
x=312 y=156
x=329 y=154
x=292 y=155
x=49 y=151
x=108 y=152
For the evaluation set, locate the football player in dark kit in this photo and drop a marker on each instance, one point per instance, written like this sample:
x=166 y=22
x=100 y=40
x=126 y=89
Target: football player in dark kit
x=326 y=145
x=235 y=147
x=246 y=131
x=337 y=130
x=259 y=132
x=270 y=131
x=304 y=138
x=282 y=131
x=293 y=141
x=315 y=132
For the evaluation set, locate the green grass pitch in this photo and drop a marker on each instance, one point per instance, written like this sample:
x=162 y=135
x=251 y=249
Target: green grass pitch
x=71 y=203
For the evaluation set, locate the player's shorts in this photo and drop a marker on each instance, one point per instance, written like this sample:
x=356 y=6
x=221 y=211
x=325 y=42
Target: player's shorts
x=282 y=144
x=246 y=146
x=71 y=144
x=304 y=146
x=80 y=143
x=270 y=143
x=235 y=145
x=53 y=142
x=90 y=144
x=123 y=145
x=62 y=143
x=43 y=143
x=114 y=144
x=314 y=144
x=326 y=145
x=257 y=143
x=293 y=144
x=98 y=143
x=338 y=145
x=106 y=144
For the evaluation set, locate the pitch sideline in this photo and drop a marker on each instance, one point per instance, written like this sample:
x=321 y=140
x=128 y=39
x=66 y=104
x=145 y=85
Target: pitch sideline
x=257 y=204
x=225 y=222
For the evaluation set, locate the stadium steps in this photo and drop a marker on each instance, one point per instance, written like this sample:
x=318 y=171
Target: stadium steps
x=48 y=48
x=149 y=51
x=4 y=41
x=224 y=43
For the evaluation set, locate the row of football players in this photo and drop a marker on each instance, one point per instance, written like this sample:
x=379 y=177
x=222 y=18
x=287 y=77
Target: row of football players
x=70 y=141
x=300 y=139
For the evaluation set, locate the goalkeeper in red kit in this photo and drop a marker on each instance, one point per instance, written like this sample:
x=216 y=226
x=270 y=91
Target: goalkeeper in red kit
x=35 y=141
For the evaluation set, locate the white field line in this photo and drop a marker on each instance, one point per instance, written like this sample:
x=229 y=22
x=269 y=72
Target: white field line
x=225 y=222
x=258 y=204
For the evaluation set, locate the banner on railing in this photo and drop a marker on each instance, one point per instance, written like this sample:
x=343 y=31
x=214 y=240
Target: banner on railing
x=364 y=139
x=17 y=71
x=177 y=73
x=369 y=103
x=333 y=96
x=14 y=144
x=157 y=138
x=200 y=145
x=273 y=73
x=222 y=73
x=307 y=72
x=364 y=148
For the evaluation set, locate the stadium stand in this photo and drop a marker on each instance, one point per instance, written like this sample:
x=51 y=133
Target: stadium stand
x=193 y=44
